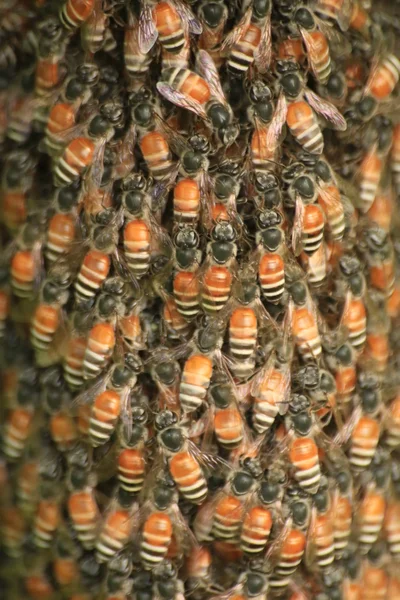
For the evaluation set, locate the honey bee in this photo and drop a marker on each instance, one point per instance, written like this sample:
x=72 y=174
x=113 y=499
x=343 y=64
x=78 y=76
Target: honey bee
x=184 y=468
x=162 y=523
x=202 y=95
x=302 y=320
x=85 y=147
x=291 y=546
x=16 y=182
x=213 y=17
x=171 y=22
x=74 y=14
x=131 y=458
x=250 y=41
x=96 y=33
x=77 y=92
x=116 y=527
x=137 y=63
x=299 y=114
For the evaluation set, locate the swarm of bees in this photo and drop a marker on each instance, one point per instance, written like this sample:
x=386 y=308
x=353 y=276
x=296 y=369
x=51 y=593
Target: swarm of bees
x=200 y=300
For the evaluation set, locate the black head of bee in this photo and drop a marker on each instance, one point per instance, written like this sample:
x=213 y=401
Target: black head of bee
x=67 y=197
x=290 y=78
x=323 y=171
x=186 y=244
x=51 y=292
x=298 y=291
x=321 y=497
x=255 y=585
x=104 y=237
x=300 y=512
x=121 y=376
x=163 y=495
x=224 y=185
x=166 y=371
x=304 y=18
x=98 y=126
x=88 y=73
x=344 y=354
x=366 y=107
x=269 y=491
x=222 y=395
x=336 y=85
x=304 y=186
x=106 y=305
x=192 y=161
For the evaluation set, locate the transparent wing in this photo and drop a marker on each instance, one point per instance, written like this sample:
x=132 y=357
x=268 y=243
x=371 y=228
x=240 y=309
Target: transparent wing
x=234 y=36
x=181 y=100
x=188 y=18
x=209 y=71
x=263 y=54
x=326 y=109
x=148 y=33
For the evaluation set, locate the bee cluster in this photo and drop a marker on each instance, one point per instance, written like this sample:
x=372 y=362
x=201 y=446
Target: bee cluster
x=200 y=299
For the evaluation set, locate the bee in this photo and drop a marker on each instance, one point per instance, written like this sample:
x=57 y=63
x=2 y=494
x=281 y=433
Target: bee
x=171 y=22
x=77 y=92
x=271 y=269
x=49 y=72
x=116 y=528
x=230 y=503
x=202 y=95
x=26 y=487
x=336 y=11
x=47 y=316
x=162 y=524
x=269 y=390
x=176 y=326
x=250 y=41
x=262 y=513
x=364 y=428
x=292 y=545
x=17 y=180
x=391 y=526
x=184 y=467
x=299 y=114
x=131 y=460
x=341 y=361
x=315 y=42
x=380 y=261
x=99 y=348
x=213 y=17
x=74 y=14
x=19 y=421
x=268 y=130
x=85 y=150
x=73 y=361
x=303 y=451
x=228 y=423
x=141 y=231
x=382 y=209
x=303 y=322
x=113 y=403
x=137 y=63
x=46 y=522
x=13 y=529
x=84 y=514
x=154 y=142
x=96 y=34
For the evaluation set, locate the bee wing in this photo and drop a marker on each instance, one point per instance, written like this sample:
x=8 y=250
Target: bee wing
x=263 y=53
x=126 y=158
x=297 y=233
x=181 y=100
x=278 y=121
x=209 y=71
x=234 y=36
x=313 y=52
x=88 y=395
x=97 y=169
x=93 y=23
x=188 y=18
x=126 y=413
x=343 y=436
x=326 y=109
x=209 y=461
x=148 y=33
